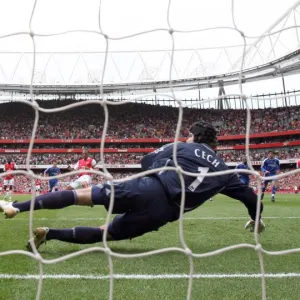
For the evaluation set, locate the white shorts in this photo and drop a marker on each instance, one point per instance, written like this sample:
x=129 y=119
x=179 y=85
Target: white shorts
x=81 y=182
x=37 y=188
x=9 y=182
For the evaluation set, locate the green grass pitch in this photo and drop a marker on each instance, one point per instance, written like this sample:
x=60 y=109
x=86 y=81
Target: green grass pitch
x=216 y=224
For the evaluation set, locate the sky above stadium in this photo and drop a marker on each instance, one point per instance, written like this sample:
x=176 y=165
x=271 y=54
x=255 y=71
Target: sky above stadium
x=120 y=18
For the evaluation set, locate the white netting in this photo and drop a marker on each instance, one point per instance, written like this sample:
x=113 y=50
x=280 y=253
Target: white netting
x=104 y=103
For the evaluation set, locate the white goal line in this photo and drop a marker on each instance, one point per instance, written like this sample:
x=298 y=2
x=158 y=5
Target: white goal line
x=189 y=218
x=147 y=276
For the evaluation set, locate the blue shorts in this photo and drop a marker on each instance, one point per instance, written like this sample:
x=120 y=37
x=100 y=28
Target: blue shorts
x=142 y=205
x=53 y=184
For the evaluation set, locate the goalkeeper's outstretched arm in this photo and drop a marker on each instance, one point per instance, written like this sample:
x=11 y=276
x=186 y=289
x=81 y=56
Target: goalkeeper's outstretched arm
x=237 y=190
x=246 y=195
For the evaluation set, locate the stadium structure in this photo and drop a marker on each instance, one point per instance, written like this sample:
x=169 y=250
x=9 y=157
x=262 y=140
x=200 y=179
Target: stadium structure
x=59 y=80
x=142 y=96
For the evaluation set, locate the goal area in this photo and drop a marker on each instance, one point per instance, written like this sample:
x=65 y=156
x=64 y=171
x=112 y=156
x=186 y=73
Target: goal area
x=216 y=65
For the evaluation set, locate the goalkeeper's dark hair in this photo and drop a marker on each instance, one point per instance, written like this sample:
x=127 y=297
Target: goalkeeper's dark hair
x=204 y=133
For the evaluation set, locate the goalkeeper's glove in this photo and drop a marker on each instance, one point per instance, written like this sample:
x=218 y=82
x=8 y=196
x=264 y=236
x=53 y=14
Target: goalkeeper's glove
x=251 y=225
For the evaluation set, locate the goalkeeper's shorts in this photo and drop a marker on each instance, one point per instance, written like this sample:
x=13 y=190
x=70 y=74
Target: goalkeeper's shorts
x=142 y=205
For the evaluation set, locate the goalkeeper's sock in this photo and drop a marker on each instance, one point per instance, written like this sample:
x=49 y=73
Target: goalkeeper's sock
x=77 y=235
x=49 y=201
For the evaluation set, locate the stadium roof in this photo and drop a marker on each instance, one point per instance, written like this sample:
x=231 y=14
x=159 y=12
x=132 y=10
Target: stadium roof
x=287 y=65
x=272 y=53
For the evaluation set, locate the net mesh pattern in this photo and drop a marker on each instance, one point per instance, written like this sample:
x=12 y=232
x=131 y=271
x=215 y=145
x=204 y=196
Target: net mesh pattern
x=170 y=32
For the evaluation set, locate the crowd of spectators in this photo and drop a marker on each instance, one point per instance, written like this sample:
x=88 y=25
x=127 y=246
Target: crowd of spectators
x=285 y=184
x=135 y=158
x=221 y=143
x=259 y=155
x=23 y=183
x=72 y=158
x=135 y=121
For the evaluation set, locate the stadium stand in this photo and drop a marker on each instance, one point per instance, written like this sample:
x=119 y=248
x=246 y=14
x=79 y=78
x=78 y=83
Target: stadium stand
x=136 y=121
x=132 y=158
x=23 y=184
x=138 y=129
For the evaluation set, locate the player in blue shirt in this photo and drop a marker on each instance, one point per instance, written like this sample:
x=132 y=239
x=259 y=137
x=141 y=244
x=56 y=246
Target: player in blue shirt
x=52 y=171
x=147 y=203
x=244 y=178
x=270 y=167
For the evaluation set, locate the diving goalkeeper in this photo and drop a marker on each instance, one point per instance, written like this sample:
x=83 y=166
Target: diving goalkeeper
x=145 y=204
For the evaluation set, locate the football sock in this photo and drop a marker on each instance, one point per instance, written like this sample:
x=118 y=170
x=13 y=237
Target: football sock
x=273 y=191
x=49 y=201
x=98 y=197
x=77 y=235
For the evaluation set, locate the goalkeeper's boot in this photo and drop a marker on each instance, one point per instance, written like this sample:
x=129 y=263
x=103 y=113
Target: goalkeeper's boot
x=251 y=225
x=8 y=210
x=40 y=234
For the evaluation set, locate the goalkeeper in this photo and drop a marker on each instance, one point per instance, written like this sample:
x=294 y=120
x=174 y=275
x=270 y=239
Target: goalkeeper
x=147 y=203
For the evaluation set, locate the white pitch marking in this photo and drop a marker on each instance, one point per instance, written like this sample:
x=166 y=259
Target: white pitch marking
x=189 y=218
x=147 y=276
x=233 y=218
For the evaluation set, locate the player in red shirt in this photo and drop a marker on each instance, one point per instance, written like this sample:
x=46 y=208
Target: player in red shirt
x=298 y=164
x=84 y=177
x=8 y=181
x=37 y=187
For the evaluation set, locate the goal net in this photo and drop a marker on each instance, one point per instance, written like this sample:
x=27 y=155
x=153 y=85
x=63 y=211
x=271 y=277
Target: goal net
x=211 y=56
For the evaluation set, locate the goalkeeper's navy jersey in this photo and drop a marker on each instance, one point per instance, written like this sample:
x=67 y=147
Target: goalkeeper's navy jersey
x=271 y=165
x=196 y=158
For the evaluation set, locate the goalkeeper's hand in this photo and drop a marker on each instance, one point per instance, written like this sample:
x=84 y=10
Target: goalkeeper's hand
x=251 y=225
